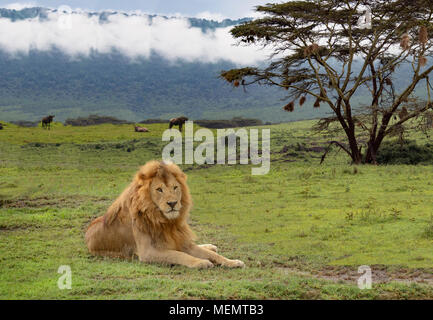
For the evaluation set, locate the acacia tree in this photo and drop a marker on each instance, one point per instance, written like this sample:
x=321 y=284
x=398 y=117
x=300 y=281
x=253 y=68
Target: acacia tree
x=334 y=50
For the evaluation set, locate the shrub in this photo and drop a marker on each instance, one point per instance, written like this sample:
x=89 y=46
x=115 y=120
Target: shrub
x=233 y=123
x=94 y=120
x=394 y=152
x=27 y=124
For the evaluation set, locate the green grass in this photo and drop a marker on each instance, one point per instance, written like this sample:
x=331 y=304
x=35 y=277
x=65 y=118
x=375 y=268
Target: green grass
x=303 y=230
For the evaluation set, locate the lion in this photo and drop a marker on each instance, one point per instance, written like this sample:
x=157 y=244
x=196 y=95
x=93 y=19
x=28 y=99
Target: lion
x=149 y=220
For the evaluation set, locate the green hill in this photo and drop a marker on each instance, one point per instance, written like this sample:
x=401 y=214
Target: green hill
x=51 y=83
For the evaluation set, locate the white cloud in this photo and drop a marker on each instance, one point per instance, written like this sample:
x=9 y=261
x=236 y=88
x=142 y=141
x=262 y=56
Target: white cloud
x=134 y=36
x=210 y=16
x=20 y=6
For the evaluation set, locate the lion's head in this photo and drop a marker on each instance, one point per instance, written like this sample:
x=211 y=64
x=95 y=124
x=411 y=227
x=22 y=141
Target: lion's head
x=162 y=186
x=166 y=194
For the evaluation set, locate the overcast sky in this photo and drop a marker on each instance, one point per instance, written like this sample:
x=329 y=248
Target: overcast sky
x=216 y=8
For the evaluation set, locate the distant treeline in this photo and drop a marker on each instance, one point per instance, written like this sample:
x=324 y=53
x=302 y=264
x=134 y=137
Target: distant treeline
x=233 y=123
x=93 y=119
x=28 y=124
x=217 y=124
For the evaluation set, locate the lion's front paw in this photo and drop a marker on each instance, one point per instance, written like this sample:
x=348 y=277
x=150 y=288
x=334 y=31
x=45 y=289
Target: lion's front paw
x=234 y=264
x=203 y=264
x=210 y=247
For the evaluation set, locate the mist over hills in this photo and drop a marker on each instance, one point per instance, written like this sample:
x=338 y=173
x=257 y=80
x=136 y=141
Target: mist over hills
x=43 y=14
x=162 y=81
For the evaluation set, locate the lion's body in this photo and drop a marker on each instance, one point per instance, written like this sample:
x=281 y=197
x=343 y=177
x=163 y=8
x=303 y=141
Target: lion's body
x=149 y=219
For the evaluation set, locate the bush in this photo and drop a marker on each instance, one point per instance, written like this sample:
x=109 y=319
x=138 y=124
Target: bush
x=234 y=123
x=393 y=152
x=94 y=120
x=151 y=121
x=27 y=124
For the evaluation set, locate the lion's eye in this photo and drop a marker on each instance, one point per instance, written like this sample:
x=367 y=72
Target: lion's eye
x=175 y=187
x=159 y=190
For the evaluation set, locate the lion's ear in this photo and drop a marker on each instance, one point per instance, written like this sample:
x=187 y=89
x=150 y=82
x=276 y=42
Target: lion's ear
x=148 y=171
x=176 y=171
x=181 y=176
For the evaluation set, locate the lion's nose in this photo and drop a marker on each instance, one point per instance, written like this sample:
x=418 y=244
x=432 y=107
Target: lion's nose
x=172 y=204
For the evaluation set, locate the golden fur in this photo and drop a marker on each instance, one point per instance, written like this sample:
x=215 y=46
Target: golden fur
x=149 y=219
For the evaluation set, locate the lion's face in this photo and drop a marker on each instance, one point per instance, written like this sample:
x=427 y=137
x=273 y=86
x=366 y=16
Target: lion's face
x=167 y=195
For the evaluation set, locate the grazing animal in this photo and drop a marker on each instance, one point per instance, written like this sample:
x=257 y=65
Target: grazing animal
x=150 y=220
x=46 y=122
x=178 y=122
x=141 y=129
x=1 y=126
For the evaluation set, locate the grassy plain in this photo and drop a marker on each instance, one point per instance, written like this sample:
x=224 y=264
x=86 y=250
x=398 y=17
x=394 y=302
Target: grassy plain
x=303 y=230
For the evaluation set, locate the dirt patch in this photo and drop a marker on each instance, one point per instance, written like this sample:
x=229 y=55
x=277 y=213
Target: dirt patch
x=198 y=167
x=5 y=228
x=302 y=147
x=73 y=201
x=380 y=274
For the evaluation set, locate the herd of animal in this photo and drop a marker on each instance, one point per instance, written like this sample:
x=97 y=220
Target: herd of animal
x=46 y=123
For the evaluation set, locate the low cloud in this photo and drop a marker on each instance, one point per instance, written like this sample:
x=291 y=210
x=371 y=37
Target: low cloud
x=210 y=16
x=19 y=5
x=79 y=34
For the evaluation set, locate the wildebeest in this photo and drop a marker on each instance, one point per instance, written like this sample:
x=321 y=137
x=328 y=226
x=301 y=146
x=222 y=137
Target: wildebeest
x=141 y=129
x=178 y=122
x=1 y=126
x=46 y=122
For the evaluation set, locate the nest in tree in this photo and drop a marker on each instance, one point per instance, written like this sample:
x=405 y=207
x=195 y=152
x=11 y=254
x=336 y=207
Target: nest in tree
x=405 y=42
x=323 y=94
x=388 y=81
x=423 y=35
x=286 y=83
x=237 y=74
x=403 y=113
x=311 y=49
x=290 y=107
x=302 y=100
x=317 y=103
x=422 y=61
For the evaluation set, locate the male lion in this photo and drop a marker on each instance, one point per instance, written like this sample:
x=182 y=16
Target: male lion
x=149 y=219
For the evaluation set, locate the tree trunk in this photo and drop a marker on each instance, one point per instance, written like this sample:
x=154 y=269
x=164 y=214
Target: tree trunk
x=370 y=156
x=357 y=157
x=353 y=143
x=373 y=148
